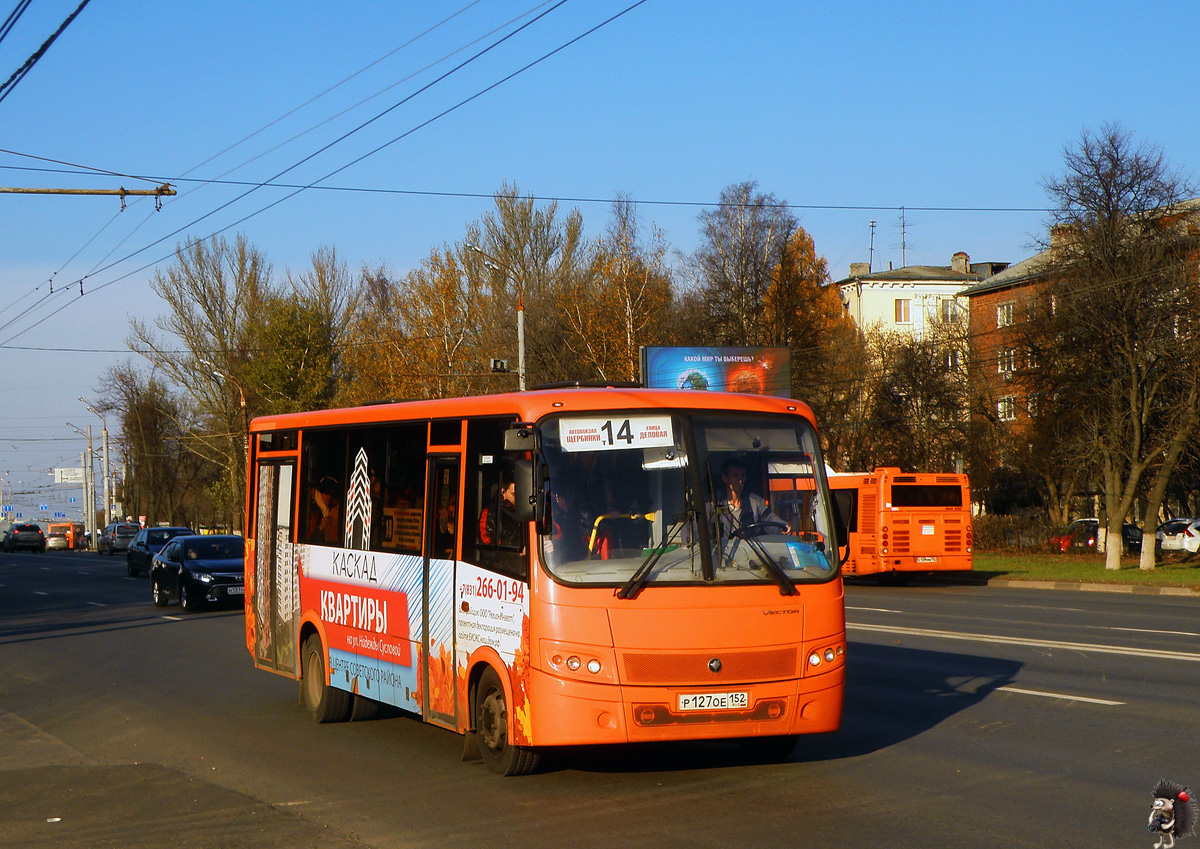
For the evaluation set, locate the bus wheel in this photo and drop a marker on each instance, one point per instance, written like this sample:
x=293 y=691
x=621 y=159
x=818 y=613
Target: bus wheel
x=491 y=725
x=363 y=708
x=323 y=703
x=769 y=749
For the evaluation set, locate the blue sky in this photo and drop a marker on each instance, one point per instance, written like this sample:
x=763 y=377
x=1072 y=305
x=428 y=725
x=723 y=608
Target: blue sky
x=874 y=106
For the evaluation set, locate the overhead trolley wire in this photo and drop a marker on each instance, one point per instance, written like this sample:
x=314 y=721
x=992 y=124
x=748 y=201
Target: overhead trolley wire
x=103 y=171
x=336 y=141
x=13 y=17
x=19 y=74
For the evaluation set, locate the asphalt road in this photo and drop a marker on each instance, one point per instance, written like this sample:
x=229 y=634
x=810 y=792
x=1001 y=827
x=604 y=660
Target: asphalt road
x=975 y=716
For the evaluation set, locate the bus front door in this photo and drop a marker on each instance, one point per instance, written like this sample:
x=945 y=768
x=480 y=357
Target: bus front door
x=440 y=683
x=275 y=591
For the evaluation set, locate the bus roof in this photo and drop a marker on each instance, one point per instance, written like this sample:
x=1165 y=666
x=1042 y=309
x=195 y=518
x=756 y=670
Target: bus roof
x=532 y=405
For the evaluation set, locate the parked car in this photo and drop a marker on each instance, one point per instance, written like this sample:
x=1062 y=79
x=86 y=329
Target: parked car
x=1179 y=535
x=147 y=543
x=116 y=537
x=1081 y=535
x=25 y=535
x=199 y=570
x=57 y=541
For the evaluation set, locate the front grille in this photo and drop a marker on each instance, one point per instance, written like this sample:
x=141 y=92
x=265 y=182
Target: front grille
x=691 y=668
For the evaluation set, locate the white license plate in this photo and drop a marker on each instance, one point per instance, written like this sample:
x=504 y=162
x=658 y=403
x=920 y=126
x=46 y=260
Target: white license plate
x=236 y=591
x=927 y=560
x=714 y=701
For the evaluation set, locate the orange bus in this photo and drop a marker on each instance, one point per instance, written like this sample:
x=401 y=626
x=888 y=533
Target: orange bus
x=550 y=568
x=72 y=531
x=897 y=523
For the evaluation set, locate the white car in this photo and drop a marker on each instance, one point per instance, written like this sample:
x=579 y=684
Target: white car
x=1180 y=535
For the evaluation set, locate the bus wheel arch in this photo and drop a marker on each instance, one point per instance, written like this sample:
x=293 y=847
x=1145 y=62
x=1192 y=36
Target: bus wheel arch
x=492 y=723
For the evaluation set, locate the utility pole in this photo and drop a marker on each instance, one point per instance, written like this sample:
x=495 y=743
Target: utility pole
x=107 y=488
x=89 y=484
x=871 y=251
x=494 y=264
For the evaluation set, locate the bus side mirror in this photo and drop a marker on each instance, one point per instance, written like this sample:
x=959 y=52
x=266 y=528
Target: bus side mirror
x=527 y=494
x=520 y=437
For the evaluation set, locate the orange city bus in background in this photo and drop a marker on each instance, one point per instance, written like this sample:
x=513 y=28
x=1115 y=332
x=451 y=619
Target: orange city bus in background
x=899 y=523
x=73 y=531
x=550 y=568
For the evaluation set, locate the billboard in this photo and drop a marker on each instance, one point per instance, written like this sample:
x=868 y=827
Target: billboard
x=756 y=370
x=74 y=476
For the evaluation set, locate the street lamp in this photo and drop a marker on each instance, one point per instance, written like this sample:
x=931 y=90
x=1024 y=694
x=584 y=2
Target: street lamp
x=494 y=264
x=221 y=378
x=108 y=492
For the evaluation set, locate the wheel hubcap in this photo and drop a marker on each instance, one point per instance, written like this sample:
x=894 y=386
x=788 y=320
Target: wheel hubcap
x=492 y=721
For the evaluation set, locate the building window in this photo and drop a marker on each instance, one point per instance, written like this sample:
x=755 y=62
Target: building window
x=949 y=310
x=1004 y=315
x=952 y=360
x=902 y=314
x=1006 y=408
x=1007 y=362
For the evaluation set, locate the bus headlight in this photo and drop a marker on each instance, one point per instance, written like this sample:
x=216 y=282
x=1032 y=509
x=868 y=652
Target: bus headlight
x=574 y=660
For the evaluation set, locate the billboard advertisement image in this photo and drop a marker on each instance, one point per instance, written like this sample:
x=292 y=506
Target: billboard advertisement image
x=753 y=370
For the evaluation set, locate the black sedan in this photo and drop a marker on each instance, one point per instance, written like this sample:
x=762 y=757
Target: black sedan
x=25 y=535
x=147 y=543
x=198 y=571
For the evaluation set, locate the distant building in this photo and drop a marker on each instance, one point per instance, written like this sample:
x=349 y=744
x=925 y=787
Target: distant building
x=996 y=307
x=912 y=299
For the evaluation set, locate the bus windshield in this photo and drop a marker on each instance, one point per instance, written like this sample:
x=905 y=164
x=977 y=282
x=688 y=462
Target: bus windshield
x=650 y=498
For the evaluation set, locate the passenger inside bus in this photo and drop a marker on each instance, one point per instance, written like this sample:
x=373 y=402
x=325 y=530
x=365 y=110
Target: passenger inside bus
x=323 y=512
x=498 y=523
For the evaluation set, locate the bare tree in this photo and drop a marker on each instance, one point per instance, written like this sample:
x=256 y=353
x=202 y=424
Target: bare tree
x=1119 y=324
x=743 y=242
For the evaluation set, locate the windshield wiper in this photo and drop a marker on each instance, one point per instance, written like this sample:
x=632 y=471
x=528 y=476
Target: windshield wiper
x=786 y=585
x=639 y=578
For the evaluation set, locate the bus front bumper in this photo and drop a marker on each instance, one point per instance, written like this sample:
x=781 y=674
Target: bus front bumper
x=572 y=712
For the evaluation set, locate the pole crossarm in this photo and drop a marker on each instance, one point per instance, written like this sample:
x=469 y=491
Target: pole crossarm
x=165 y=190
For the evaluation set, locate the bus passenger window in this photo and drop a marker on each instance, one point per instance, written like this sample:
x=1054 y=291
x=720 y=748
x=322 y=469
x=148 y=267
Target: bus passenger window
x=493 y=538
x=403 y=509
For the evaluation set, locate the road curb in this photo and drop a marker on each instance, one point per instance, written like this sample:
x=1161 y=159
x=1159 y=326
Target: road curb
x=1134 y=589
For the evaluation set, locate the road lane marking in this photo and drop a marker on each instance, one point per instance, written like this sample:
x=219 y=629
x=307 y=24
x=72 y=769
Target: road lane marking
x=875 y=609
x=1091 y=701
x=39 y=592
x=1096 y=648
x=1148 y=631
x=97 y=604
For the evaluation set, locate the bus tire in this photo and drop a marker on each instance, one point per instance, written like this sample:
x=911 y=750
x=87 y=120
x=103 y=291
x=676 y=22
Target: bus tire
x=363 y=708
x=491 y=728
x=323 y=703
